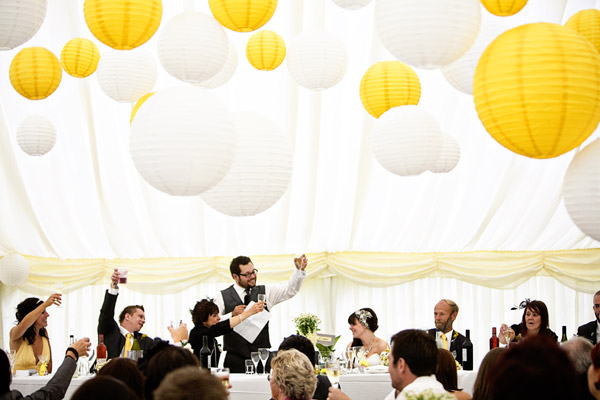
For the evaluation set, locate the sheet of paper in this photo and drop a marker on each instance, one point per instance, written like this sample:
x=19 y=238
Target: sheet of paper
x=251 y=327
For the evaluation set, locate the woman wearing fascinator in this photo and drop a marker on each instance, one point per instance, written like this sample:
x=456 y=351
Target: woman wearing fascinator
x=533 y=322
x=363 y=324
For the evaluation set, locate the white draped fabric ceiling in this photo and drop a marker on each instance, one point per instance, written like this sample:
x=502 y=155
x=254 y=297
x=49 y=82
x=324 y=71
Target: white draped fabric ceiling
x=487 y=234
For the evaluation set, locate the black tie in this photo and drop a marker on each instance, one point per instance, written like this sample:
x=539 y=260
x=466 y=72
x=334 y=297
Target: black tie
x=247 y=296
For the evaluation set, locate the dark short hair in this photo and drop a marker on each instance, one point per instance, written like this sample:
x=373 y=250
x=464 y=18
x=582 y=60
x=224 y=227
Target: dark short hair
x=372 y=322
x=535 y=368
x=595 y=354
x=445 y=372
x=164 y=361
x=202 y=310
x=104 y=387
x=300 y=343
x=5 y=373
x=234 y=267
x=190 y=383
x=126 y=371
x=24 y=308
x=129 y=310
x=418 y=349
x=539 y=307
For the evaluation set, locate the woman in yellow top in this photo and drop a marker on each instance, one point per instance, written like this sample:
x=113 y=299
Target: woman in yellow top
x=30 y=338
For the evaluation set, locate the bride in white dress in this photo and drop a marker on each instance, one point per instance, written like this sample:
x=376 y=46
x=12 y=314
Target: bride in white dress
x=363 y=324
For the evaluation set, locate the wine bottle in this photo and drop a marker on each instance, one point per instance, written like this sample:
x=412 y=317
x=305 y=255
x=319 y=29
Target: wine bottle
x=467 y=352
x=100 y=352
x=205 y=353
x=494 y=341
x=564 y=334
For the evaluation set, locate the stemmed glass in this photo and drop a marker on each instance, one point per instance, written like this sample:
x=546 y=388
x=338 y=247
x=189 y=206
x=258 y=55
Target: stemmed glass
x=507 y=334
x=356 y=359
x=59 y=288
x=44 y=364
x=332 y=367
x=255 y=359
x=262 y=297
x=264 y=356
x=349 y=355
x=12 y=357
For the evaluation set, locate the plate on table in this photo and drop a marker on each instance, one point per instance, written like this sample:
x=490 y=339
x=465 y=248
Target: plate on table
x=377 y=369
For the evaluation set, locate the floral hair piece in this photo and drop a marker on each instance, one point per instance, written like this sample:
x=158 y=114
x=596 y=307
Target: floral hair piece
x=521 y=305
x=362 y=316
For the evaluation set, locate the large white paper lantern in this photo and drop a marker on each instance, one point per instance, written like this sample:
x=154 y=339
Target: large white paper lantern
x=581 y=190
x=352 y=4
x=125 y=76
x=427 y=33
x=317 y=59
x=449 y=156
x=36 y=135
x=407 y=140
x=14 y=269
x=261 y=170
x=19 y=21
x=226 y=72
x=192 y=46
x=182 y=141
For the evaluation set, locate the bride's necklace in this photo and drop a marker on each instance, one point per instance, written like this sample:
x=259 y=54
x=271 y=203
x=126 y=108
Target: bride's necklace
x=371 y=346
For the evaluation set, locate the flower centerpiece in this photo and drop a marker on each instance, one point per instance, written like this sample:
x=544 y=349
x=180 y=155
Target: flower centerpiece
x=307 y=325
x=428 y=395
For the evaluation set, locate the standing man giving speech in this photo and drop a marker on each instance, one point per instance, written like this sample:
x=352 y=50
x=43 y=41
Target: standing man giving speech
x=253 y=333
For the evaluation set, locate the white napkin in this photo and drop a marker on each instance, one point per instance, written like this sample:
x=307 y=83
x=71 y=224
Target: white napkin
x=251 y=327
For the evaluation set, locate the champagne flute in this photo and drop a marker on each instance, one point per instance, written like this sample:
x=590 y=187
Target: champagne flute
x=255 y=359
x=59 y=288
x=262 y=297
x=263 y=353
x=12 y=357
x=507 y=334
x=332 y=367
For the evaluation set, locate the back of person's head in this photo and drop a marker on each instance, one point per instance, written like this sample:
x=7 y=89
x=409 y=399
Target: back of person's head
x=102 y=388
x=300 y=343
x=294 y=375
x=24 y=308
x=166 y=359
x=418 y=349
x=595 y=356
x=190 y=383
x=366 y=316
x=445 y=372
x=202 y=310
x=481 y=388
x=535 y=368
x=234 y=267
x=126 y=371
x=578 y=350
x=5 y=373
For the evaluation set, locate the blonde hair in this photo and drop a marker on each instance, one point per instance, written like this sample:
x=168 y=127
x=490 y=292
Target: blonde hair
x=294 y=375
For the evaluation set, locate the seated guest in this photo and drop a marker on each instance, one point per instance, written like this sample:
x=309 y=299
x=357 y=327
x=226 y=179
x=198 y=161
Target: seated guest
x=30 y=338
x=481 y=388
x=161 y=360
x=537 y=368
x=591 y=330
x=207 y=322
x=445 y=373
x=305 y=346
x=190 y=383
x=292 y=376
x=56 y=388
x=102 y=388
x=444 y=315
x=594 y=373
x=578 y=350
x=533 y=322
x=363 y=324
x=126 y=371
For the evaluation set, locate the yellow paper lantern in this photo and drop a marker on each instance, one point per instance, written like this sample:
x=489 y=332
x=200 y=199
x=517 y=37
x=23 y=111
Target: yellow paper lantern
x=537 y=89
x=243 y=15
x=587 y=24
x=265 y=50
x=79 y=57
x=35 y=73
x=504 y=8
x=388 y=84
x=138 y=104
x=123 y=24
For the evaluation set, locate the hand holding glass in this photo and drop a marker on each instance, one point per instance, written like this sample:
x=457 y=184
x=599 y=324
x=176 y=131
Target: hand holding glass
x=262 y=297
x=332 y=367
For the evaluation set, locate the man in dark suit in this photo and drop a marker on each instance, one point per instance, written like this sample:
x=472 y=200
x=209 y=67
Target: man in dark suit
x=591 y=330
x=444 y=313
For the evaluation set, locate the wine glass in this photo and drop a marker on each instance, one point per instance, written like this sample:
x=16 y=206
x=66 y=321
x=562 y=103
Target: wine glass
x=332 y=367
x=255 y=359
x=263 y=353
x=44 y=364
x=12 y=357
x=349 y=355
x=507 y=333
x=59 y=288
x=262 y=297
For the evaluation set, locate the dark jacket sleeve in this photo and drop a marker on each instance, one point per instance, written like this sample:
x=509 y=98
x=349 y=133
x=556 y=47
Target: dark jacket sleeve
x=106 y=320
x=220 y=328
x=56 y=387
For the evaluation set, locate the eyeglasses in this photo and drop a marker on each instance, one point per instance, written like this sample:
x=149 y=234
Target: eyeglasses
x=248 y=274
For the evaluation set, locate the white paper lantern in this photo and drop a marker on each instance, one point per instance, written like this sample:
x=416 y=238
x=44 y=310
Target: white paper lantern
x=193 y=46
x=581 y=190
x=19 y=21
x=449 y=156
x=182 y=141
x=36 y=135
x=14 y=269
x=125 y=76
x=352 y=4
x=226 y=72
x=261 y=170
x=317 y=59
x=427 y=33
x=407 y=140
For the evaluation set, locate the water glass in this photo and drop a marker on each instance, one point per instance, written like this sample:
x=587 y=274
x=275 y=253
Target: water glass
x=249 y=367
x=122 y=275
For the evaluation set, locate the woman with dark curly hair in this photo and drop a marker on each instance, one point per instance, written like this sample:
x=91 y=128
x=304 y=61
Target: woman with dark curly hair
x=207 y=322
x=363 y=324
x=29 y=339
x=533 y=322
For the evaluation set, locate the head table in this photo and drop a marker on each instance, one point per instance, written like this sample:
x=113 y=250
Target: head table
x=256 y=387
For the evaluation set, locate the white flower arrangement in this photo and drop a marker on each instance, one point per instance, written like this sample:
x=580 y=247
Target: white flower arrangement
x=428 y=395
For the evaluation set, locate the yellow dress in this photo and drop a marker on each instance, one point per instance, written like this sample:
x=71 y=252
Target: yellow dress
x=25 y=359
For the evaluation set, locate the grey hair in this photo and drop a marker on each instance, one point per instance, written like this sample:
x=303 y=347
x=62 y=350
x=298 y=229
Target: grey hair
x=578 y=350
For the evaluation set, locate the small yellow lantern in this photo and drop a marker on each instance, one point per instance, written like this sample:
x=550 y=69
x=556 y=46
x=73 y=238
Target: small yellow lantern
x=79 y=57
x=587 y=24
x=265 y=50
x=388 y=84
x=536 y=89
x=123 y=24
x=138 y=104
x=504 y=8
x=35 y=73
x=243 y=15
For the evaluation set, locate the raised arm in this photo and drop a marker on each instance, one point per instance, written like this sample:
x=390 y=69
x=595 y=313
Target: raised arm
x=278 y=293
x=16 y=333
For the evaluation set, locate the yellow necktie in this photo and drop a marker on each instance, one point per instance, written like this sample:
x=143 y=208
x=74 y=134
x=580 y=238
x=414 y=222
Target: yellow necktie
x=127 y=345
x=444 y=341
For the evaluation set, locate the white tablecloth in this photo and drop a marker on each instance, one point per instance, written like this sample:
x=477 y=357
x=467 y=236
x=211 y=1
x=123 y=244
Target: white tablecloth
x=28 y=385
